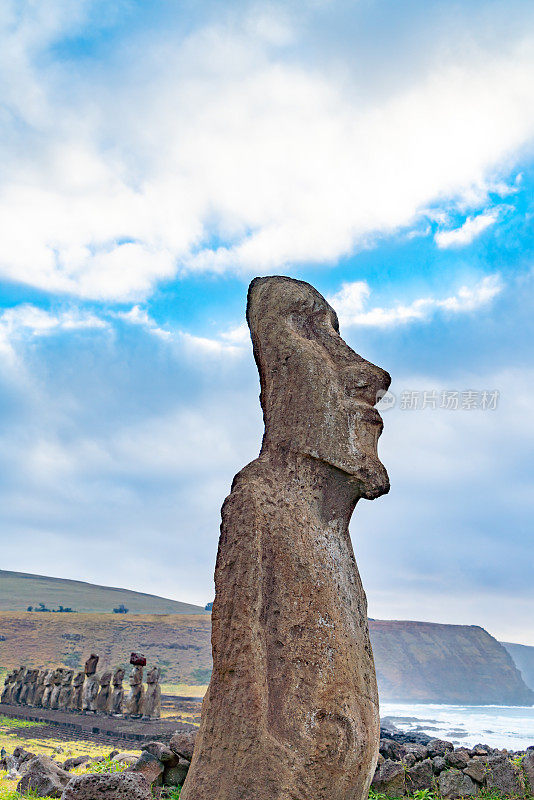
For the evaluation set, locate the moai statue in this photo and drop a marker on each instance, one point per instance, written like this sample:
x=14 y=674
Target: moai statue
x=28 y=687
x=292 y=706
x=57 y=679
x=48 y=688
x=76 y=698
x=152 y=707
x=39 y=688
x=90 y=687
x=65 y=692
x=117 y=698
x=136 y=695
x=9 y=682
x=103 y=701
x=19 y=683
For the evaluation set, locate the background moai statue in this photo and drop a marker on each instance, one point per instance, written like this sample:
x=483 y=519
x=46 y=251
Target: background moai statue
x=136 y=695
x=103 y=701
x=48 y=688
x=76 y=698
x=39 y=688
x=9 y=682
x=57 y=679
x=117 y=698
x=19 y=682
x=65 y=691
x=152 y=706
x=28 y=687
x=90 y=687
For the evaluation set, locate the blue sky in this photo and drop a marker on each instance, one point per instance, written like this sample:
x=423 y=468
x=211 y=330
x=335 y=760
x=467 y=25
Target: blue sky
x=155 y=157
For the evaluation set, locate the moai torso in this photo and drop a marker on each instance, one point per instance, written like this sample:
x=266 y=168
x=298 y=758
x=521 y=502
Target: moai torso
x=65 y=690
x=117 y=697
x=136 y=695
x=39 y=688
x=76 y=697
x=54 y=697
x=28 y=687
x=103 y=701
x=152 y=709
x=19 y=683
x=48 y=688
x=9 y=682
x=91 y=685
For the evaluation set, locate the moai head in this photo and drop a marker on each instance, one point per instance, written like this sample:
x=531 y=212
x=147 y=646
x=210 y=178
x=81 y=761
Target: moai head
x=105 y=678
x=91 y=664
x=118 y=676
x=78 y=679
x=49 y=677
x=58 y=676
x=33 y=675
x=41 y=677
x=136 y=676
x=66 y=678
x=153 y=675
x=317 y=394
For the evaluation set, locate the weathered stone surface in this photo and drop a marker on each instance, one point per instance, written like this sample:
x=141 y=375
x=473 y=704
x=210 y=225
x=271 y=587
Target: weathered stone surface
x=39 y=689
x=419 y=751
x=117 y=696
x=9 y=681
x=439 y=747
x=103 y=700
x=389 y=779
x=116 y=786
x=71 y=763
x=502 y=776
x=419 y=776
x=28 y=687
x=65 y=691
x=152 y=702
x=183 y=743
x=149 y=766
x=389 y=748
x=91 y=684
x=161 y=752
x=48 y=687
x=458 y=758
x=454 y=784
x=136 y=695
x=56 y=689
x=20 y=756
x=175 y=776
x=438 y=765
x=292 y=710
x=528 y=767
x=476 y=769
x=43 y=776
x=125 y=758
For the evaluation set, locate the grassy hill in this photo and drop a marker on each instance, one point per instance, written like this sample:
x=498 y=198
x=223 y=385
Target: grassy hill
x=18 y=590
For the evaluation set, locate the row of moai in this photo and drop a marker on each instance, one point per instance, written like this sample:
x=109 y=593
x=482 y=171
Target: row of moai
x=87 y=692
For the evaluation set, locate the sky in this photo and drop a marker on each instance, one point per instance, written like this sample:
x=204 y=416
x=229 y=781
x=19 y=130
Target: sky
x=155 y=156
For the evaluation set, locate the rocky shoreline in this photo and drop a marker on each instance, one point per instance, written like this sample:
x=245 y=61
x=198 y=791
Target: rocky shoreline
x=413 y=762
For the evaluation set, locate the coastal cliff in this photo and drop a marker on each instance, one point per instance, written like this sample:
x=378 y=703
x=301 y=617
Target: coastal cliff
x=434 y=663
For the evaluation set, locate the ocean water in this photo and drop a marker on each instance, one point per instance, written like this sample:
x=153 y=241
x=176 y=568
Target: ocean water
x=510 y=727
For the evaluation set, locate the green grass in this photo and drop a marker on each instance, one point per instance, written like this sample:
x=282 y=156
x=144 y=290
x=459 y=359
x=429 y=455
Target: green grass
x=10 y=723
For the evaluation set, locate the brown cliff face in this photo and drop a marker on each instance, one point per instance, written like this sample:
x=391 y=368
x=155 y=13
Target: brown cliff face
x=291 y=711
x=457 y=664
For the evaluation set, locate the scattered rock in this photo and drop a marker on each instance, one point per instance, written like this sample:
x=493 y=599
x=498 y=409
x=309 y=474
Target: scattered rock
x=389 y=779
x=419 y=776
x=528 y=766
x=115 y=786
x=476 y=769
x=182 y=743
x=391 y=749
x=458 y=758
x=454 y=784
x=480 y=750
x=175 y=776
x=149 y=766
x=71 y=763
x=162 y=752
x=439 y=747
x=419 y=751
x=438 y=765
x=43 y=776
x=125 y=758
x=502 y=776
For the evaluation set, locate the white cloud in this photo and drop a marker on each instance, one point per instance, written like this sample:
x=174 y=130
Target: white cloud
x=140 y=316
x=351 y=299
x=116 y=181
x=466 y=233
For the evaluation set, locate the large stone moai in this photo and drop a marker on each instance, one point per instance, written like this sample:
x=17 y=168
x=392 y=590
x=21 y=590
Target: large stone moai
x=103 y=701
x=65 y=691
x=136 y=695
x=18 y=685
x=117 y=697
x=48 y=688
x=152 y=708
x=57 y=681
x=292 y=706
x=91 y=685
x=76 y=698
x=9 y=682
x=28 y=687
x=39 y=688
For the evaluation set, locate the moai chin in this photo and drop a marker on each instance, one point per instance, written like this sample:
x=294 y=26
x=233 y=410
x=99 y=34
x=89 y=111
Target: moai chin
x=292 y=706
x=39 y=688
x=90 y=687
x=136 y=695
x=103 y=701
x=48 y=688
x=57 y=681
x=117 y=697
x=65 y=691
x=76 y=698
x=152 y=709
